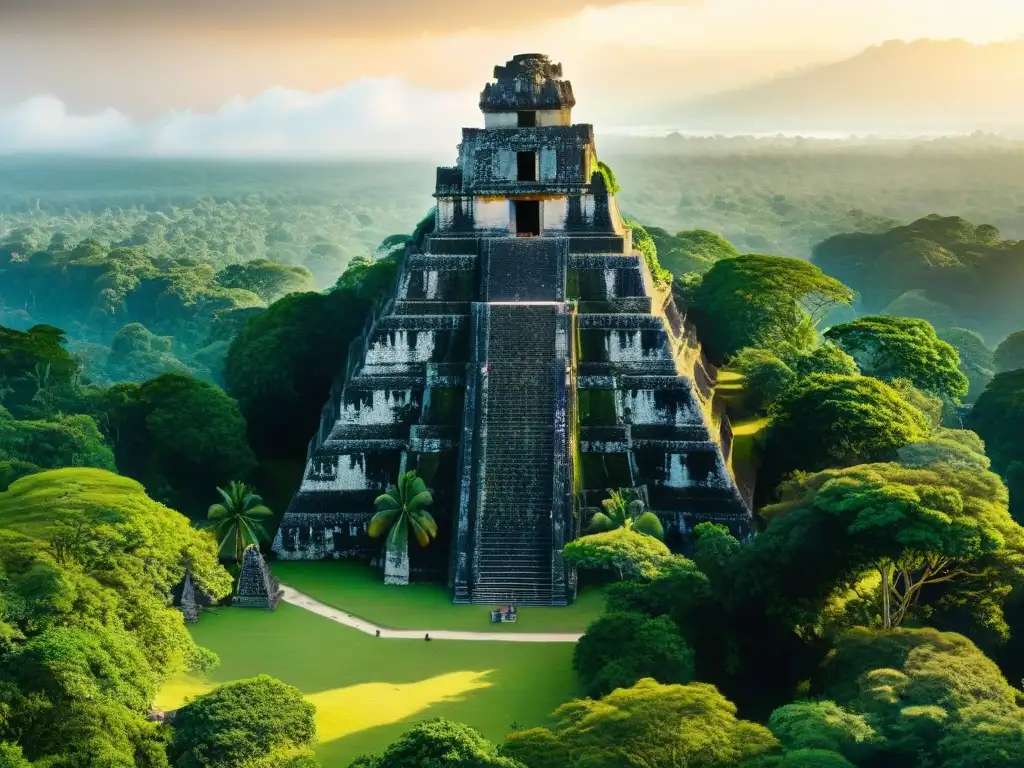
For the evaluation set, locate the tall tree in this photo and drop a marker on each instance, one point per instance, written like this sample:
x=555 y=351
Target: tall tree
x=835 y=421
x=401 y=509
x=438 y=743
x=34 y=365
x=764 y=301
x=276 y=366
x=620 y=649
x=918 y=527
x=765 y=376
x=648 y=724
x=629 y=554
x=1009 y=355
x=179 y=436
x=64 y=441
x=694 y=250
x=933 y=698
x=976 y=360
x=811 y=724
x=891 y=348
x=266 y=279
x=236 y=520
x=240 y=722
x=998 y=418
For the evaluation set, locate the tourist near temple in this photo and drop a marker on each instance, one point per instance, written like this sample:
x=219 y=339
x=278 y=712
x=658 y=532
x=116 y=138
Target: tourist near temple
x=527 y=362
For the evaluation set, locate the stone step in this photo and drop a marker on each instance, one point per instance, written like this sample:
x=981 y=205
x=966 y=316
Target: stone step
x=424 y=307
x=531 y=573
x=517 y=593
x=499 y=599
x=620 y=321
x=433 y=322
x=514 y=554
x=602 y=261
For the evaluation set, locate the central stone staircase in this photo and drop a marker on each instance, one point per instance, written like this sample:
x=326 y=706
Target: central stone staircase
x=514 y=530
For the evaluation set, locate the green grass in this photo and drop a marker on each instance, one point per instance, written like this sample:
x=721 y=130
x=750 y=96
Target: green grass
x=729 y=379
x=360 y=591
x=368 y=691
x=745 y=461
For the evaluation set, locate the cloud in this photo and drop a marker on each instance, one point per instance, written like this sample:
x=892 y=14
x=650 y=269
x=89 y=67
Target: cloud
x=367 y=118
x=344 y=18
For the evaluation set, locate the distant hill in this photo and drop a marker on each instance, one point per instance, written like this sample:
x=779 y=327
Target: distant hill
x=940 y=268
x=897 y=87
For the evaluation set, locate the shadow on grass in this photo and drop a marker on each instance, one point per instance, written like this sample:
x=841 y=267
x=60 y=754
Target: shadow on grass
x=369 y=691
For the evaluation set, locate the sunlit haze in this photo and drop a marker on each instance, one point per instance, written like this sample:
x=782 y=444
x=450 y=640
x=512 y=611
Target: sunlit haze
x=251 y=77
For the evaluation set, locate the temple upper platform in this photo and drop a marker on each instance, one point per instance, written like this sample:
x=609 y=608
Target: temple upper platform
x=530 y=171
x=530 y=83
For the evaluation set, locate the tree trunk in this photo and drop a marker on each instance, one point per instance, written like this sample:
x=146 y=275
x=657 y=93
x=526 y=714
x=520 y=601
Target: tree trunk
x=396 y=566
x=886 y=595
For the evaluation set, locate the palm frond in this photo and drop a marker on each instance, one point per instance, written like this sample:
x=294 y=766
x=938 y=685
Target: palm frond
x=259 y=511
x=385 y=502
x=252 y=498
x=217 y=512
x=227 y=545
x=422 y=537
x=421 y=499
x=426 y=520
x=382 y=522
x=254 y=532
x=228 y=499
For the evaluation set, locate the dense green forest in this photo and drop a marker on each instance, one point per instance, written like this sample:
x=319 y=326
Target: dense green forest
x=182 y=332
x=153 y=267
x=785 y=196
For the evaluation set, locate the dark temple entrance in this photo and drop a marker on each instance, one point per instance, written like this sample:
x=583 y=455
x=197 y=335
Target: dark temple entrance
x=527 y=218
x=526 y=166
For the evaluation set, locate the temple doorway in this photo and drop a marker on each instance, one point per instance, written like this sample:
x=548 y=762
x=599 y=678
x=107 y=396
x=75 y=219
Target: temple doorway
x=527 y=218
x=526 y=166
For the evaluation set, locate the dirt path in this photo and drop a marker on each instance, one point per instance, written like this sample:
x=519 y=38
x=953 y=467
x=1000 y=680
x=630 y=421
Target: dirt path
x=306 y=602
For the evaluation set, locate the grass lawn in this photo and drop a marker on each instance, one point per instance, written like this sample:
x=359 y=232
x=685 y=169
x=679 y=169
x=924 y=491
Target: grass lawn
x=369 y=691
x=358 y=590
x=745 y=432
x=745 y=461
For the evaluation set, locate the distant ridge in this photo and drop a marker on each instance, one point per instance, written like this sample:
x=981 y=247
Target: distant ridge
x=896 y=87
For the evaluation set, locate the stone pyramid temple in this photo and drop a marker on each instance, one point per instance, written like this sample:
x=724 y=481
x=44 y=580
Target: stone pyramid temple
x=257 y=587
x=526 y=362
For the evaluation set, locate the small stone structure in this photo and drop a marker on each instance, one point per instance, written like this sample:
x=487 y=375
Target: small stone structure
x=525 y=363
x=189 y=608
x=257 y=587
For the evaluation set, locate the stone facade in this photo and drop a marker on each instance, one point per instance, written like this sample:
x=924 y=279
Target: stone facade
x=525 y=363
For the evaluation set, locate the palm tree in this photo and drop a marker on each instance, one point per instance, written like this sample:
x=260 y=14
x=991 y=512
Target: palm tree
x=622 y=509
x=401 y=508
x=235 y=520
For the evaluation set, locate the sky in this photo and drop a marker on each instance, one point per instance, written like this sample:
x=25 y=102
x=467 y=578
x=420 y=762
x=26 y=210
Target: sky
x=269 y=76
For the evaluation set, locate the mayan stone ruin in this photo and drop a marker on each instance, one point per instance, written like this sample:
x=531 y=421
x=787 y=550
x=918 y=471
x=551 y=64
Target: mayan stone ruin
x=257 y=586
x=188 y=606
x=526 y=362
